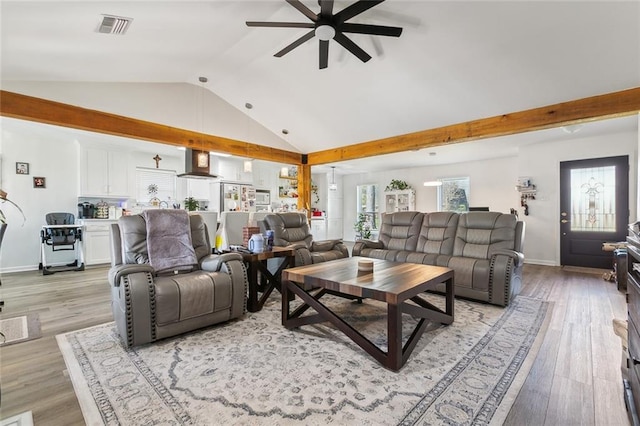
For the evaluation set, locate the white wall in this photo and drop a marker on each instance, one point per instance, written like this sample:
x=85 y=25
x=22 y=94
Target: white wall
x=174 y=104
x=493 y=185
x=56 y=160
x=541 y=162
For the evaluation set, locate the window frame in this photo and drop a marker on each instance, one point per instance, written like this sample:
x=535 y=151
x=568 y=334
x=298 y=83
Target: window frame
x=453 y=180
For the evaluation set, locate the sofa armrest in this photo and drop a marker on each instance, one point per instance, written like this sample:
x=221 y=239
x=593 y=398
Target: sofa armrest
x=302 y=253
x=362 y=244
x=518 y=258
x=324 y=245
x=118 y=271
x=297 y=246
x=213 y=262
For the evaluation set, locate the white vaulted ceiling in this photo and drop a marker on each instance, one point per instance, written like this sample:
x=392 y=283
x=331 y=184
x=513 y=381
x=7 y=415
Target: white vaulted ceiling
x=455 y=61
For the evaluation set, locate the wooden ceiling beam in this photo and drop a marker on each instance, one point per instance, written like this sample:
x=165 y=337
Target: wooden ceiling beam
x=601 y=107
x=24 y=107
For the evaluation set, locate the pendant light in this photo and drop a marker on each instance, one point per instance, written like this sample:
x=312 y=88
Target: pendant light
x=203 y=156
x=332 y=185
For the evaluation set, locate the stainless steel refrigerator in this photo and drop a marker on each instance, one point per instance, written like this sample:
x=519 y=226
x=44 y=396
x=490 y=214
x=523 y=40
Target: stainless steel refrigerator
x=234 y=196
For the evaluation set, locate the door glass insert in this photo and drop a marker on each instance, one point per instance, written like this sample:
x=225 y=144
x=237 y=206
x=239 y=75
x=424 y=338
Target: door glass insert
x=593 y=199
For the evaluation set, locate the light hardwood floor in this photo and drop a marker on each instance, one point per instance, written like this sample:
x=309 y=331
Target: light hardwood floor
x=575 y=379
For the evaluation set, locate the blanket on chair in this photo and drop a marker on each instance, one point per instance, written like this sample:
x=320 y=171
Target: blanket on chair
x=169 y=240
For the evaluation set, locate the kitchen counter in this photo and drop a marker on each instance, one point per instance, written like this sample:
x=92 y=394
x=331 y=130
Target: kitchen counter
x=97 y=249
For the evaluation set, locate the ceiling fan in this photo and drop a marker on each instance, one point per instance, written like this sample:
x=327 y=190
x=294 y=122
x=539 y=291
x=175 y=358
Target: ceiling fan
x=326 y=26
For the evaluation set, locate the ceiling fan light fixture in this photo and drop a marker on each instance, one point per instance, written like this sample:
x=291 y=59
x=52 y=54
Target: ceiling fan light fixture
x=325 y=32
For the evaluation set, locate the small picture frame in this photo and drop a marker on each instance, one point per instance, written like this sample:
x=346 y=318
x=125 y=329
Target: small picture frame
x=22 y=168
x=39 y=182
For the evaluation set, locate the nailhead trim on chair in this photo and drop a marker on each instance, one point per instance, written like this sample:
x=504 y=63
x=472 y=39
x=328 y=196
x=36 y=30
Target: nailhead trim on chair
x=507 y=283
x=127 y=300
x=245 y=280
x=152 y=305
x=127 y=297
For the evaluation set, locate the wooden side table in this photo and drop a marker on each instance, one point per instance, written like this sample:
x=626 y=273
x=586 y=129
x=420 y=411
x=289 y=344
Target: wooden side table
x=257 y=268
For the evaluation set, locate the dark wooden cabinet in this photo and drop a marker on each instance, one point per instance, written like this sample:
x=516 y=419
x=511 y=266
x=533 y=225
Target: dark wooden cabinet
x=632 y=382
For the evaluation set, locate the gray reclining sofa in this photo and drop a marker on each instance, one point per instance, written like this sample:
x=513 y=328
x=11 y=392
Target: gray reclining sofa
x=483 y=248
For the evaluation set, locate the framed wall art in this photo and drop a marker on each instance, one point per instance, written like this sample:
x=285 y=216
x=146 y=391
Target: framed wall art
x=22 y=168
x=39 y=182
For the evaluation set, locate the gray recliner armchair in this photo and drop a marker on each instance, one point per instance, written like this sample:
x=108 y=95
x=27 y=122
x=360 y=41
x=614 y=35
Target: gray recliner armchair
x=292 y=230
x=165 y=282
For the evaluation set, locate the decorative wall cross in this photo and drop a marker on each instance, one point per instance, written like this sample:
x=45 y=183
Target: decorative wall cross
x=157 y=158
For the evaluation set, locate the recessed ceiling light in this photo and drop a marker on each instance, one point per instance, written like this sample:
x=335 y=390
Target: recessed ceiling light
x=285 y=132
x=574 y=128
x=248 y=105
x=432 y=153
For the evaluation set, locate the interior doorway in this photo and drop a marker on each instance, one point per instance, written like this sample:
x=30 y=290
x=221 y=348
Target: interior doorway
x=594 y=208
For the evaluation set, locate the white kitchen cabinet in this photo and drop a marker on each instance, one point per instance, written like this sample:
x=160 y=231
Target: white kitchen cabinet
x=97 y=248
x=335 y=228
x=104 y=173
x=319 y=228
x=399 y=201
x=198 y=189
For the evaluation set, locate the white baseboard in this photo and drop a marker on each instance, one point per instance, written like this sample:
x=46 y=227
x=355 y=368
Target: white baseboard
x=541 y=262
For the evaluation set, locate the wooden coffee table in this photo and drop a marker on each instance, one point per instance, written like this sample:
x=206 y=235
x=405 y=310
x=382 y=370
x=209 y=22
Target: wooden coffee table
x=393 y=283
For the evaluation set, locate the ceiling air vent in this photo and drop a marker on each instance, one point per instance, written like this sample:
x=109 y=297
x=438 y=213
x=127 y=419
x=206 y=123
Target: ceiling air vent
x=114 y=24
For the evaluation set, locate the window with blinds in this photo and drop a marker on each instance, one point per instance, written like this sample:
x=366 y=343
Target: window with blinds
x=155 y=183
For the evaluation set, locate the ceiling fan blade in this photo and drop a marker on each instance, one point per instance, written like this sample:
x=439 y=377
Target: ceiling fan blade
x=280 y=24
x=380 y=30
x=324 y=54
x=303 y=9
x=298 y=42
x=355 y=9
x=326 y=8
x=351 y=47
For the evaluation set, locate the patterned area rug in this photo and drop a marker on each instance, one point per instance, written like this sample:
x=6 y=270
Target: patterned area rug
x=19 y=329
x=253 y=371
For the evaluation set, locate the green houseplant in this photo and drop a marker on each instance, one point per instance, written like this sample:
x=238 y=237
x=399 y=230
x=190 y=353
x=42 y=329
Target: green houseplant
x=397 y=185
x=362 y=227
x=191 y=204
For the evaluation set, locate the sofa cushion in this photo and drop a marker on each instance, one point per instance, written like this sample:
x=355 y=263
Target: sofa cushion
x=438 y=233
x=325 y=256
x=181 y=297
x=289 y=228
x=199 y=236
x=133 y=233
x=480 y=234
x=400 y=231
x=471 y=273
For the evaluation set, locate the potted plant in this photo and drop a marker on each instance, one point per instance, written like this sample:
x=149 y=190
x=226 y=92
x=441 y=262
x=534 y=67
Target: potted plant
x=191 y=204
x=397 y=185
x=363 y=227
x=3 y=218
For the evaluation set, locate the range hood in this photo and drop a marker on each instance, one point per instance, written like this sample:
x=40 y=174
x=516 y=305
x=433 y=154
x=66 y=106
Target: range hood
x=197 y=165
